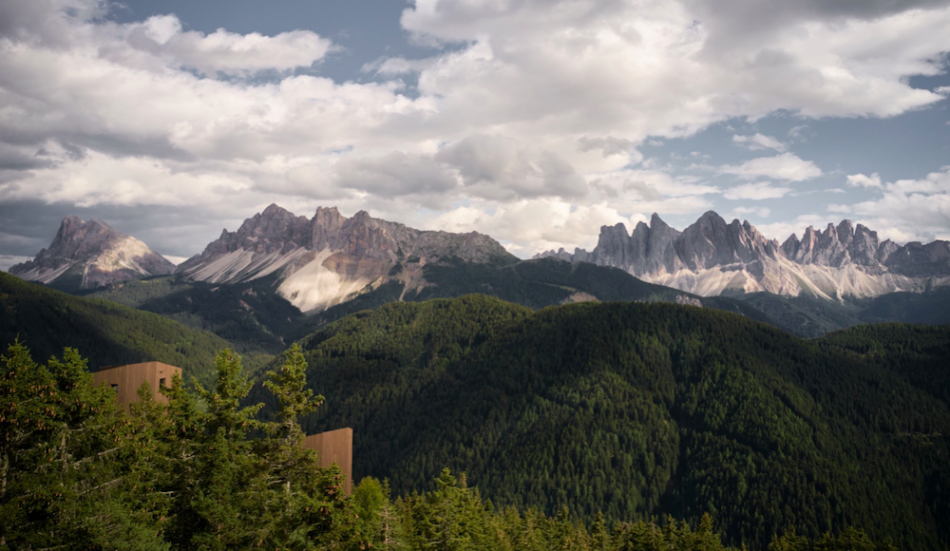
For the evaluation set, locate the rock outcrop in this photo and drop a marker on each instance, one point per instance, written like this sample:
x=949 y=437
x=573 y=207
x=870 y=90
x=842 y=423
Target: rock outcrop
x=711 y=257
x=329 y=258
x=87 y=255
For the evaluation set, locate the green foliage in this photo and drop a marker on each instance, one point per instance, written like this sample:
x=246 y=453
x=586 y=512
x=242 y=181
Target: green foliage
x=78 y=473
x=104 y=332
x=643 y=410
x=250 y=315
x=67 y=467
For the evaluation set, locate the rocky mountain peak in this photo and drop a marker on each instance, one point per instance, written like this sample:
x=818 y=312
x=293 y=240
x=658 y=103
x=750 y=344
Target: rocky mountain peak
x=711 y=255
x=845 y=232
x=329 y=258
x=86 y=255
x=657 y=223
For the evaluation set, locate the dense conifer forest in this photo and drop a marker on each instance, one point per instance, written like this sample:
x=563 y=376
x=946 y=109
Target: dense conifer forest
x=639 y=411
x=584 y=426
x=79 y=473
x=106 y=333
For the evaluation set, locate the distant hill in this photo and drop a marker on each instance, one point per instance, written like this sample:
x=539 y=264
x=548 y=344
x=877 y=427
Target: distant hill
x=106 y=333
x=640 y=410
x=533 y=283
x=810 y=316
x=258 y=319
x=250 y=314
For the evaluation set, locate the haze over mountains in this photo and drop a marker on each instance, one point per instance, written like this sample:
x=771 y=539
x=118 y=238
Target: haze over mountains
x=712 y=257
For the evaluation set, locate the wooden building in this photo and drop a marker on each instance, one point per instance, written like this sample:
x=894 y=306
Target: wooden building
x=335 y=446
x=126 y=380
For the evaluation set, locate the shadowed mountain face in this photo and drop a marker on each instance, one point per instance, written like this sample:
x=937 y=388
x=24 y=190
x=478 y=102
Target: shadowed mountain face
x=87 y=255
x=329 y=258
x=711 y=257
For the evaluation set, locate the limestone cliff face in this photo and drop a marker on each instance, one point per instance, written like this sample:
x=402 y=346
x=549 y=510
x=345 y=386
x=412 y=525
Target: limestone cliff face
x=86 y=255
x=712 y=256
x=329 y=258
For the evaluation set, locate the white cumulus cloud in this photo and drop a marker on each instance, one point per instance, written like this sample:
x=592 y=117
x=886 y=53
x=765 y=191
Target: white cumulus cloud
x=860 y=180
x=756 y=192
x=758 y=142
x=540 y=106
x=786 y=166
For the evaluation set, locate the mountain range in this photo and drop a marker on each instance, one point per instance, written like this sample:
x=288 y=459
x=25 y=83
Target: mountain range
x=280 y=276
x=712 y=257
x=327 y=259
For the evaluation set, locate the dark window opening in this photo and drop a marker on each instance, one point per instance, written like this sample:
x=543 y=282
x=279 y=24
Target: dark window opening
x=115 y=388
x=161 y=383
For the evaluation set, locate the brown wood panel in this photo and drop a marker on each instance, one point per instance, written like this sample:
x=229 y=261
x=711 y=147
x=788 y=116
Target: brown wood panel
x=335 y=446
x=126 y=379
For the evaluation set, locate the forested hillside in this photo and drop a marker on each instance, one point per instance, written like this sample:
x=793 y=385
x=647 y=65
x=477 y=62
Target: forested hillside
x=644 y=410
x=532 y=283
x=104 y=332
x=81 y=473
x=256 y=319
x=250 y=315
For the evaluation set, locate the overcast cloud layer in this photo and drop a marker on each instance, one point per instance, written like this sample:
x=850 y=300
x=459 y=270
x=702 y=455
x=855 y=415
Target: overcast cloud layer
x=535 y=121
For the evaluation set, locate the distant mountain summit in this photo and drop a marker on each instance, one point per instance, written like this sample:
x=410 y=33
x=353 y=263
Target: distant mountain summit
x=712 y=257
x=328 y=259
x=87 y=255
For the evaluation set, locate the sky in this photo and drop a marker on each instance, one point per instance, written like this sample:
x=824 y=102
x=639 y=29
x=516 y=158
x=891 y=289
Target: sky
x=533 y=121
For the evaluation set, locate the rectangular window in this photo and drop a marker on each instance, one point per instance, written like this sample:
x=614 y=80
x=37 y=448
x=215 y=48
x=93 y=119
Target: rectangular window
x=161 y=383
x=115 y=388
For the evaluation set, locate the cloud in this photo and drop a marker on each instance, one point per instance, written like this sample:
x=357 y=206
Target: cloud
x=786 y=166
x=540 y=102
x=8 y=260
x=758 y=142
x=761 y=212
x=395 y=174
x=499 y=168
x=223 y=51
x=668 y=68
x=860 y=180
x=795 y=132
x=391 y=66
x=610 y=146
x=755 y=192
x=917 y=209
x=564 y=225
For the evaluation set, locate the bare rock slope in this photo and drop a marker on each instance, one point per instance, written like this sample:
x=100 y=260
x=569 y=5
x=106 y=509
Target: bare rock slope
x=712 y=257
x=87 y=255
x=329 y=259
